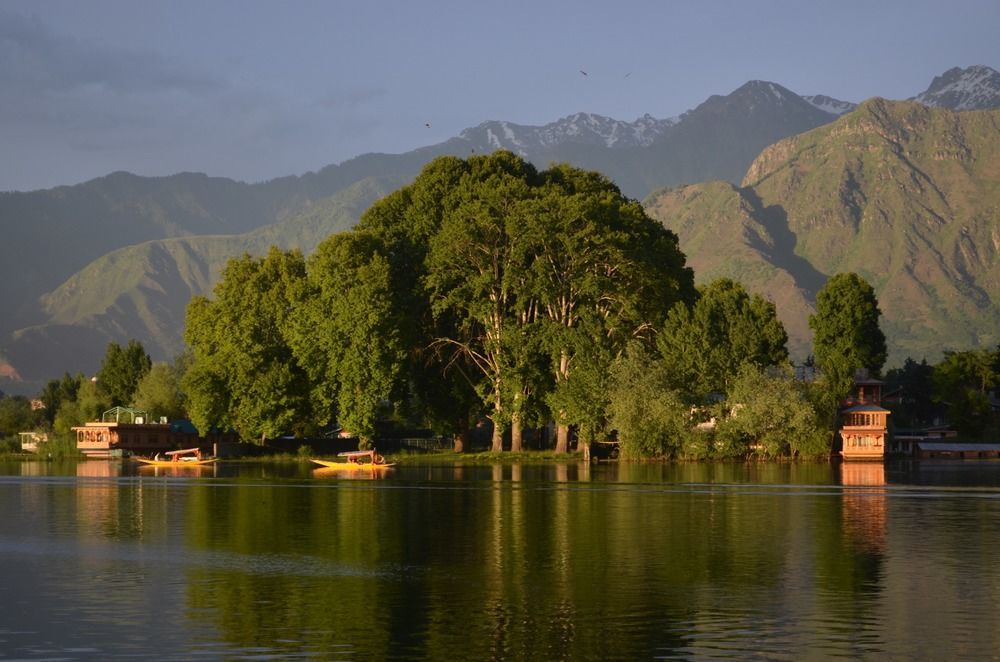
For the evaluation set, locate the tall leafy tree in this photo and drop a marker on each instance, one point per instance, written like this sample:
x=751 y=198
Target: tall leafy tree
x=705 y=345
x=15 y=415
x=346 y=334
x=513 y=266
x=647 y=412
x=916 y=393
x=244 y=374
x=473 y=269
x=57 y=391
x=443 y=385
x=601 y=272
x=160 y=392
x=846 y=333
x=121 y=371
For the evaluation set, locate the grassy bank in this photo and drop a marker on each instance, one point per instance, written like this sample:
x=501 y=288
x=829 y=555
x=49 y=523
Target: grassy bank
x=485 y=457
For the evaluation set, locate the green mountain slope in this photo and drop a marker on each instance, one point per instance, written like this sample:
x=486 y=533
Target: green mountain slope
x=142 y=291
x=905 y=195
x=58 y=231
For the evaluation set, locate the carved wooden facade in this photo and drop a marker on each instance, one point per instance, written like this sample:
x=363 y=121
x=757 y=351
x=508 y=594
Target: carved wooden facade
x=864 y=432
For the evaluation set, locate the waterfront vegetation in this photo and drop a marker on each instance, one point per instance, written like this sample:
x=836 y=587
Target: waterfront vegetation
x=488 y=295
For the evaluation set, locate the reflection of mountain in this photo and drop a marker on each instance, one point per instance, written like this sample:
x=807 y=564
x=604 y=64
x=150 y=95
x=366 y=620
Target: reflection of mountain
x=864 y=504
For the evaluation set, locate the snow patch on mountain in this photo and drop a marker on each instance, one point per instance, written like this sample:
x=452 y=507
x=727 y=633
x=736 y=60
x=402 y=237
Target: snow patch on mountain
x=974 y=88
x=830 y=105
x=586 y=128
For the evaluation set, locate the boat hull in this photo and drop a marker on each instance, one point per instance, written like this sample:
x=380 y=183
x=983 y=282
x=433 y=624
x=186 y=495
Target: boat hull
x=353 y=466
x=172 y=463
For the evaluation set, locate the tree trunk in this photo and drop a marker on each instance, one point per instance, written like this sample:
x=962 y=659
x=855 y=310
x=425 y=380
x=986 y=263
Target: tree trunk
x=562 y=438
x=562 y=428
x=515 y=433
x=497 y=445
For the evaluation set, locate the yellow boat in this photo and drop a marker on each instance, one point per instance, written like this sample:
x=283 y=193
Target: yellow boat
x=357 y=461
x=189 y=457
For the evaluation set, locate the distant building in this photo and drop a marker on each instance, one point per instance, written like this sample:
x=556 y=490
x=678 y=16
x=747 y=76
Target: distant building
x=123 y=430
x=950 y=449
x=864 y=429
x=907 y=442
x=31 y=442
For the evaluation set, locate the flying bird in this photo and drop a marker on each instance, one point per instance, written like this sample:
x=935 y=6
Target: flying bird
x=583 y=72
x=427 y=124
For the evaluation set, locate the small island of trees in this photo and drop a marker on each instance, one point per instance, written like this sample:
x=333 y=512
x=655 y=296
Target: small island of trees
x=489 y=291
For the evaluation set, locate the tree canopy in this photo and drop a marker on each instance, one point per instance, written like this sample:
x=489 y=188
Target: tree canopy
x=346 y=334
x=964 y=380
x=244 y=374
x=508 y=272
x=707 y=344
x=159 y=392
x=122 y=370
x=846 y=333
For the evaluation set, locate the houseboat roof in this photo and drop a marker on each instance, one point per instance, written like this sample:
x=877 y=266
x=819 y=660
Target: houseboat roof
x=868 y=382
x=864 y=408
x=949 y=446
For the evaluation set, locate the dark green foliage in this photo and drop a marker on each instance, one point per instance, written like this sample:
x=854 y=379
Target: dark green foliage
x=488 y=288
x=600 y=272
x=91 y=401
x=846 y=331
x=346 y=333
x=505 y=268
x=57 y=391
x=122 y=370
x=913 y=387
x=706 y=345
x=962 y=381
x=244 y=373
x=16 y=415
x=768 y=413
x=649 y=416
x=441 y=385
x=159 y=392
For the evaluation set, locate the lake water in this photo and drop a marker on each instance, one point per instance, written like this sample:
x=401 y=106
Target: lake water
x=99 y=560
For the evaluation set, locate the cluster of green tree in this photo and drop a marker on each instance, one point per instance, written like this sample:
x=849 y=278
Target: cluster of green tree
x=957 y=390
x=487 y=289
x=127 y=377
x=483 y=289
x=16 y=416
x=717 y=384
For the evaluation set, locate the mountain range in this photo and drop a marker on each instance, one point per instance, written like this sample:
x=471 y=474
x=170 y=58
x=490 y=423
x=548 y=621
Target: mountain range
x=119 y=257
x=905 y=195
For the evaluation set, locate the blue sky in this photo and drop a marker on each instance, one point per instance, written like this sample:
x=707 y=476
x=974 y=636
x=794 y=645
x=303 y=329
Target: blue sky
x=253 y=90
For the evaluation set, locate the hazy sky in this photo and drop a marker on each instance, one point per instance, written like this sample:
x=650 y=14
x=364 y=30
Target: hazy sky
x=253 y=90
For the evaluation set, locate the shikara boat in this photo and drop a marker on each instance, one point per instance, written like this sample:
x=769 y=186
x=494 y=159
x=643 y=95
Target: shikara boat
x=357 y=461
x=188 y=457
